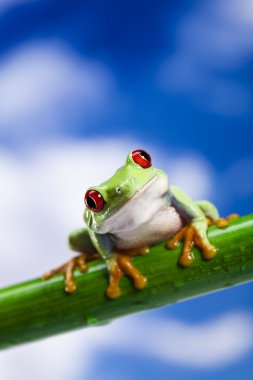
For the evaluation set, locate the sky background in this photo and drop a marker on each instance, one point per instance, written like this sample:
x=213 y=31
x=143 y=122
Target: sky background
x=82 y=84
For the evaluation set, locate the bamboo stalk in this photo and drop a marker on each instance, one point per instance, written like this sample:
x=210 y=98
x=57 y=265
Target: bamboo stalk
x=37 y=308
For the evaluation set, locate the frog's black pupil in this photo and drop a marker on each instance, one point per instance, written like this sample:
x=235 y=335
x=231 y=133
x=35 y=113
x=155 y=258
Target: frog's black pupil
x=144 y=155
x=91 y=203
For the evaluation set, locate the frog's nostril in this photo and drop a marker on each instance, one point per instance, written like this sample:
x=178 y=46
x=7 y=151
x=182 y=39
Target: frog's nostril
x=118 y=190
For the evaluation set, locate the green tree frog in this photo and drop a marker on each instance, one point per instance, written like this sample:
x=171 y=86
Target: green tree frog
x=135 y=208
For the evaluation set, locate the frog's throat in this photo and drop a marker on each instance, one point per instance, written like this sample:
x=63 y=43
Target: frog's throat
x=140 y=208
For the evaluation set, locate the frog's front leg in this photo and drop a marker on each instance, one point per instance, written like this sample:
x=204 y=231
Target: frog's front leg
x=120 y=264
x=198 y=216
x=193 y=234
x=79 y=241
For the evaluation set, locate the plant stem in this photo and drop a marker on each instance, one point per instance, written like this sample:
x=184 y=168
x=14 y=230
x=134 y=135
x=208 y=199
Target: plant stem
x=38 y=308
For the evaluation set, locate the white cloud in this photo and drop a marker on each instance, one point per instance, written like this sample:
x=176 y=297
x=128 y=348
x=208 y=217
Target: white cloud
x=213 y=344
x=193 y=174
x=52 y=359
x=41 y=201
x=214 y=37
x=218 y=33
x=45 y=86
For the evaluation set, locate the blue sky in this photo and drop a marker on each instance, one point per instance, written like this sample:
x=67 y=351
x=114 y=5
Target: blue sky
x=83 y=83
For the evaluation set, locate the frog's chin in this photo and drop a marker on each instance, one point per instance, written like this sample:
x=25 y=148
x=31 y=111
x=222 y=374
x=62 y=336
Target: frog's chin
x=140 y=208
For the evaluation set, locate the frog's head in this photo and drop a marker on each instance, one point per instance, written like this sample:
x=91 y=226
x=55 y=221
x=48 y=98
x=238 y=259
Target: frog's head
x=105 y=200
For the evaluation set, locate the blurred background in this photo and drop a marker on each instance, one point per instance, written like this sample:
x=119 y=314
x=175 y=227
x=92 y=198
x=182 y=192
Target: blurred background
x=83 y=83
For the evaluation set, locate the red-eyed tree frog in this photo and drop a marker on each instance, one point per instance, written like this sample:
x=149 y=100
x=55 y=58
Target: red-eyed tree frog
x=135 y=208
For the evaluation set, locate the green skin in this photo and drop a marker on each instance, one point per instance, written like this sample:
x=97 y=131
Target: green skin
x=120 y=189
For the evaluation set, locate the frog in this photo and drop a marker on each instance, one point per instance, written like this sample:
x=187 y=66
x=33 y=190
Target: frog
x=134 y=209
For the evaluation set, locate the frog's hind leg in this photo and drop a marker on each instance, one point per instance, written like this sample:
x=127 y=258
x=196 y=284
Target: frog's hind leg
x=120 y=264
x=200 y=214
x=195 y=234
x=208 y=209
x=79 y=241
x=212 y=214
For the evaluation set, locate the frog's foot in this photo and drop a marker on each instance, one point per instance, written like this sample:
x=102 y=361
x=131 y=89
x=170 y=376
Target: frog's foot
x=120 y=264
x=141 y=251
x=191 y=236
x=222 y=222
x=68 y=269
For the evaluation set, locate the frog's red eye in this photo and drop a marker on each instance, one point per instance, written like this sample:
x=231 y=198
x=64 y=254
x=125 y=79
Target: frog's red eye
x=142 y=158
x=94 y=200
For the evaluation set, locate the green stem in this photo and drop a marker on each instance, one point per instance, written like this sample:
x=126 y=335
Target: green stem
x=38 y=308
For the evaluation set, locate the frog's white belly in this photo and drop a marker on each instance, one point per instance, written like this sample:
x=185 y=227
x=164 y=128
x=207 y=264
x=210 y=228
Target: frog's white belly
x=147 y=218
x=163 y=225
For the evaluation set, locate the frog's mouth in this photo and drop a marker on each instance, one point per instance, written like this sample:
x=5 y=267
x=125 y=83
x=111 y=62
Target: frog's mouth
x=140 y=208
